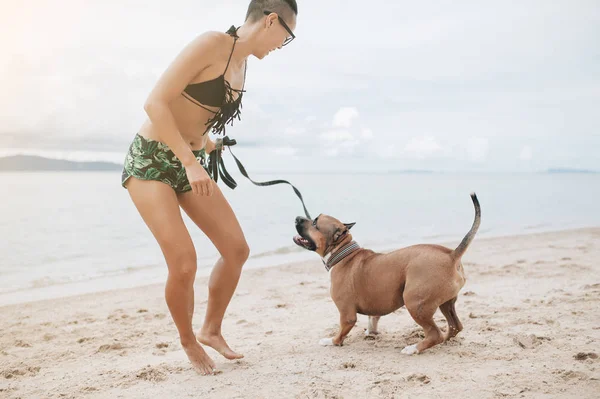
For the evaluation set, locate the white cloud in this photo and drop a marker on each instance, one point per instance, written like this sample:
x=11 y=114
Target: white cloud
x=386 y=152
x=477 y=148
x=338 y=142
x=294 y=131
x=337 y=135
x=366 y=134
x=422 y=147
x=332 y=152
x=284 y=151
x=349 y=145
x=526 y=154
x=345 y=116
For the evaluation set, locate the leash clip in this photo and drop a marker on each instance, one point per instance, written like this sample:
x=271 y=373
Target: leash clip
x=217 y=168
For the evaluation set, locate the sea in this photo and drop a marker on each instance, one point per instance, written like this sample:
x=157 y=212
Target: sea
x=69 y=233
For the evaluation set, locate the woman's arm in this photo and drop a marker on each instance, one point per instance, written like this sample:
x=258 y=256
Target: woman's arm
x=192 y=60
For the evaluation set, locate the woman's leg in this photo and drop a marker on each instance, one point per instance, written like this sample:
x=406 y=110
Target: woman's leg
x=216 y=219
x=157 y=204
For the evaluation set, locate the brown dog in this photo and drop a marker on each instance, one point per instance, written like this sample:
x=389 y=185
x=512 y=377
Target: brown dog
x=422 y=277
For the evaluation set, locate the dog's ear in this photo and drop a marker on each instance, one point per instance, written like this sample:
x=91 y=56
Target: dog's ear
x=349 y=225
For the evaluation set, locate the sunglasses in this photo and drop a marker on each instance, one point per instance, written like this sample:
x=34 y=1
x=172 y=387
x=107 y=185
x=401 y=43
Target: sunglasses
x=286 y=27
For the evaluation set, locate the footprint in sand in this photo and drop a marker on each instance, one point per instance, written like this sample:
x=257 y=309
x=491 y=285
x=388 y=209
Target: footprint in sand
x=584 y=356
x=151 y=374
x=48 y=337
x=8 y=390
x=593 y=287
x=415 y=334
x=571 y=375
x=420 y=378
x=110 y=347
x=162 y=349
x=529 y=341
x=157 y=373
x=20 y=372
x=22 y=344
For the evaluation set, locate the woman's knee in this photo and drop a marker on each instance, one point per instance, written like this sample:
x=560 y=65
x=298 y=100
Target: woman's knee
x=182 y=263
x=237 y=252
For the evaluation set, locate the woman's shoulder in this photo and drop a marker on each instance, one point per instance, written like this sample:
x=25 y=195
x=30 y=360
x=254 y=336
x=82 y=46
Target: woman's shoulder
x=211 y=43
x=212 y=38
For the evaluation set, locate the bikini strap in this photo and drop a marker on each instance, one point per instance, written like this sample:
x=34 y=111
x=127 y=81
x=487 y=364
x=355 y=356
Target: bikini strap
x=232 y=31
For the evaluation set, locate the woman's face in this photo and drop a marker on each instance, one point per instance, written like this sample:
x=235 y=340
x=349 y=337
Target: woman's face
x=275 y=33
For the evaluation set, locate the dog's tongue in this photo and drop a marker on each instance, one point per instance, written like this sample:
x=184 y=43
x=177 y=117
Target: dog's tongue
x=299 y=240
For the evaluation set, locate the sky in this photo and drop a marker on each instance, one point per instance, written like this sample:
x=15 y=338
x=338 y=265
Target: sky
x=379 y=85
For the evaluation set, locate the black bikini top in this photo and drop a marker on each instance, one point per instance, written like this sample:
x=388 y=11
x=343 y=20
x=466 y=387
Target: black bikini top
x=218 y=93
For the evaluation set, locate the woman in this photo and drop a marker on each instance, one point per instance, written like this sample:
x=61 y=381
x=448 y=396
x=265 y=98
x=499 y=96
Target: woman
x=166 y=167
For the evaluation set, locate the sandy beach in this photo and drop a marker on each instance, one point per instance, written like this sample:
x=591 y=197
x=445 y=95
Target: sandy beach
x=530 y=310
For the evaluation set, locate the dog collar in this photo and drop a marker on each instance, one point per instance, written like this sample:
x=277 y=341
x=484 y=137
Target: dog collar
x=330 y=260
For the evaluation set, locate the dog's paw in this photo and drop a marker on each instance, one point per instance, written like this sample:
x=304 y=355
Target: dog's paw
x=371 y=333
x=326 y=342
x=410 y=350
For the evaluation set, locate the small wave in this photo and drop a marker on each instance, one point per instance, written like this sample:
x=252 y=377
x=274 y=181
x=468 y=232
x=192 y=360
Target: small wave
x=46 y=281
x=130 y=269
x=537 y=226
x=279 y=251
x=436 y=236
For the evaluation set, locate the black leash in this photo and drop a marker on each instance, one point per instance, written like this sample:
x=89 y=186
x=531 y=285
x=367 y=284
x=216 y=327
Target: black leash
x=217 y=167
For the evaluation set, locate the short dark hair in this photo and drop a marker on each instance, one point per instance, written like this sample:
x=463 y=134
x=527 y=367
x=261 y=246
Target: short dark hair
x=284 y=8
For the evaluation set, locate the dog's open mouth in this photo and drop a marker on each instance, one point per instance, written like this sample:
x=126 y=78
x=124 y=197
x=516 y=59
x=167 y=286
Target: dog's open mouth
x=304 y=243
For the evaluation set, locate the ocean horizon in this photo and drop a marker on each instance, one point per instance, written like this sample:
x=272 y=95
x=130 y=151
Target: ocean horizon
x=76 y=232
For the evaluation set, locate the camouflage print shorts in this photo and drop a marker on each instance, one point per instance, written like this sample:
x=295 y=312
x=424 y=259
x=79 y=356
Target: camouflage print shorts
x=152 y=160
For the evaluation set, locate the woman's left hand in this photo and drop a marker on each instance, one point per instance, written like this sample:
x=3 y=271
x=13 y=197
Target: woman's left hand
x=210 y=146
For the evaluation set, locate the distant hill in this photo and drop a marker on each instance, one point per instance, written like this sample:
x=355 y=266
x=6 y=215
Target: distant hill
x=568 y=170
x=21 y=163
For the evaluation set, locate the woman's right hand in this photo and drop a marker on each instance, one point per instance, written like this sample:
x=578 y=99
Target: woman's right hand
x=199 y=179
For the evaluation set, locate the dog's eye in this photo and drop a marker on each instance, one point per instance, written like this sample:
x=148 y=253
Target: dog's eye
x=315 y=222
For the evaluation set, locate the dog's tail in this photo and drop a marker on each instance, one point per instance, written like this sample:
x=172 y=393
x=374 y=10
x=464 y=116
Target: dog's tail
x=462 y=247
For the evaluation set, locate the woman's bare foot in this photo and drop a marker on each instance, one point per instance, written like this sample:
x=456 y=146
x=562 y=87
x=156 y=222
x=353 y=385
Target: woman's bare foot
x=217 y=342
x=200 y=360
